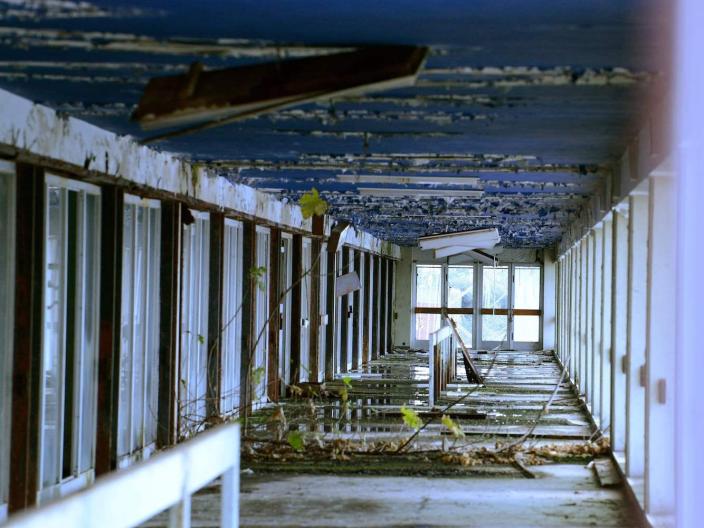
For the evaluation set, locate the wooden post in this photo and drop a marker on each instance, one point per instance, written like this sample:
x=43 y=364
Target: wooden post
x=356 y=314
x=389 y=305
x=111 y=229
x=249 y=242
x=297 y=258
x=24 y=449
x=365 y=309
x=330 y=309
x=169 y=292
x=376 y=308
x=273 y=382
x=215 y=300
x=383 y=302
x=315 y=311
x=344 y=316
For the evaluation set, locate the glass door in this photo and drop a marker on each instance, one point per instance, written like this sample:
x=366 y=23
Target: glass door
x=526 y=312
x=494 y=320
x=428 y=303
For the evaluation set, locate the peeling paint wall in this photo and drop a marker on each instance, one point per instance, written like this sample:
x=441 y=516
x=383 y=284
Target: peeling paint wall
x=38 y=134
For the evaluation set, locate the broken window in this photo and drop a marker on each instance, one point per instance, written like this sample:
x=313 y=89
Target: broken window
x=70 y=334
x=428 y=295
x=139 y=328
x=495 y=301
x=460 y=294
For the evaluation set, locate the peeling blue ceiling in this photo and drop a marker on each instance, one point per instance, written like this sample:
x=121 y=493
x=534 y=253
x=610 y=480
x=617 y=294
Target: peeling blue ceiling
x=533 y=98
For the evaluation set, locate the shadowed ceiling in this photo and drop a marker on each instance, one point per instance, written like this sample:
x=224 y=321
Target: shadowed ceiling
x=534 y=98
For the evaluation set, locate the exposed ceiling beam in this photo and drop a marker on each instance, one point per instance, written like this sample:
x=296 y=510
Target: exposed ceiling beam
x=215 y=95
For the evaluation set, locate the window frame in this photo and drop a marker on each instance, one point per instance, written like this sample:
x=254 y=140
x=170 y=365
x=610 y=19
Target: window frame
x=478 y=309
x=199 y=341
x=150 y=335
x=78 y=477
x=232 y=318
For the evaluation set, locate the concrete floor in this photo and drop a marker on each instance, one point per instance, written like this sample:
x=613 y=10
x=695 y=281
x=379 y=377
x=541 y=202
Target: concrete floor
x=281 y=487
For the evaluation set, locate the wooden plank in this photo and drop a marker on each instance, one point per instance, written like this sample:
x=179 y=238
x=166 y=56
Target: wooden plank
x=111 y=233
x=169 y=291
x=256 y=88
x=347 y=283
x=440 y=311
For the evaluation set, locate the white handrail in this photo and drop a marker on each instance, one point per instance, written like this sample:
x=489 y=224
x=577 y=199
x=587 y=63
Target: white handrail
x=131 y=496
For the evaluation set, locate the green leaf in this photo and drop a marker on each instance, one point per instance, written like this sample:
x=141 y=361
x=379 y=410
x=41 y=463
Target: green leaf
x=411 y=418
x=453 y=426
x=257 y=274
x=201 y=339
x=347 y=381
x=258 y=375
x=295 y=440
x=312 y=204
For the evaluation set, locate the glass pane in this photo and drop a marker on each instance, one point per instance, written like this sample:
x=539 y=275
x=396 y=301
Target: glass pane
x=460 y=287
x=194 y=325
x=90 y=230
x=262 y=311
x=426 y=324
x=464 y=328
x=526 y=328
x=494 y=327
x=494 y=288
x=138 y=329
x=52 y=346
x=232 y=319
x=429 y=286
x=152 y=353
x=125 y=381
x=527 y=288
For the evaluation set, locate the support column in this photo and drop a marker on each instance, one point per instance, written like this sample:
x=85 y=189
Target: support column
x=169 y=291
x=273 y=381
x=215 y=299
x=111 y=232
x=24 y=448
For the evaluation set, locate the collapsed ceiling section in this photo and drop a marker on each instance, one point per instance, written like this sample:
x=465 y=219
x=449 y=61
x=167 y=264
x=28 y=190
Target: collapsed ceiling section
x=513 y=121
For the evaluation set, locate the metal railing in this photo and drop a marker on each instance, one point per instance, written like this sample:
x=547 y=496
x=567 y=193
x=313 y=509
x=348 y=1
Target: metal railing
x=442 y=358
x=166 y=481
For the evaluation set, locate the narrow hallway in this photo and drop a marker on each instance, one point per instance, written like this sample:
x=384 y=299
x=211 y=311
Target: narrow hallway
x=354 y=451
